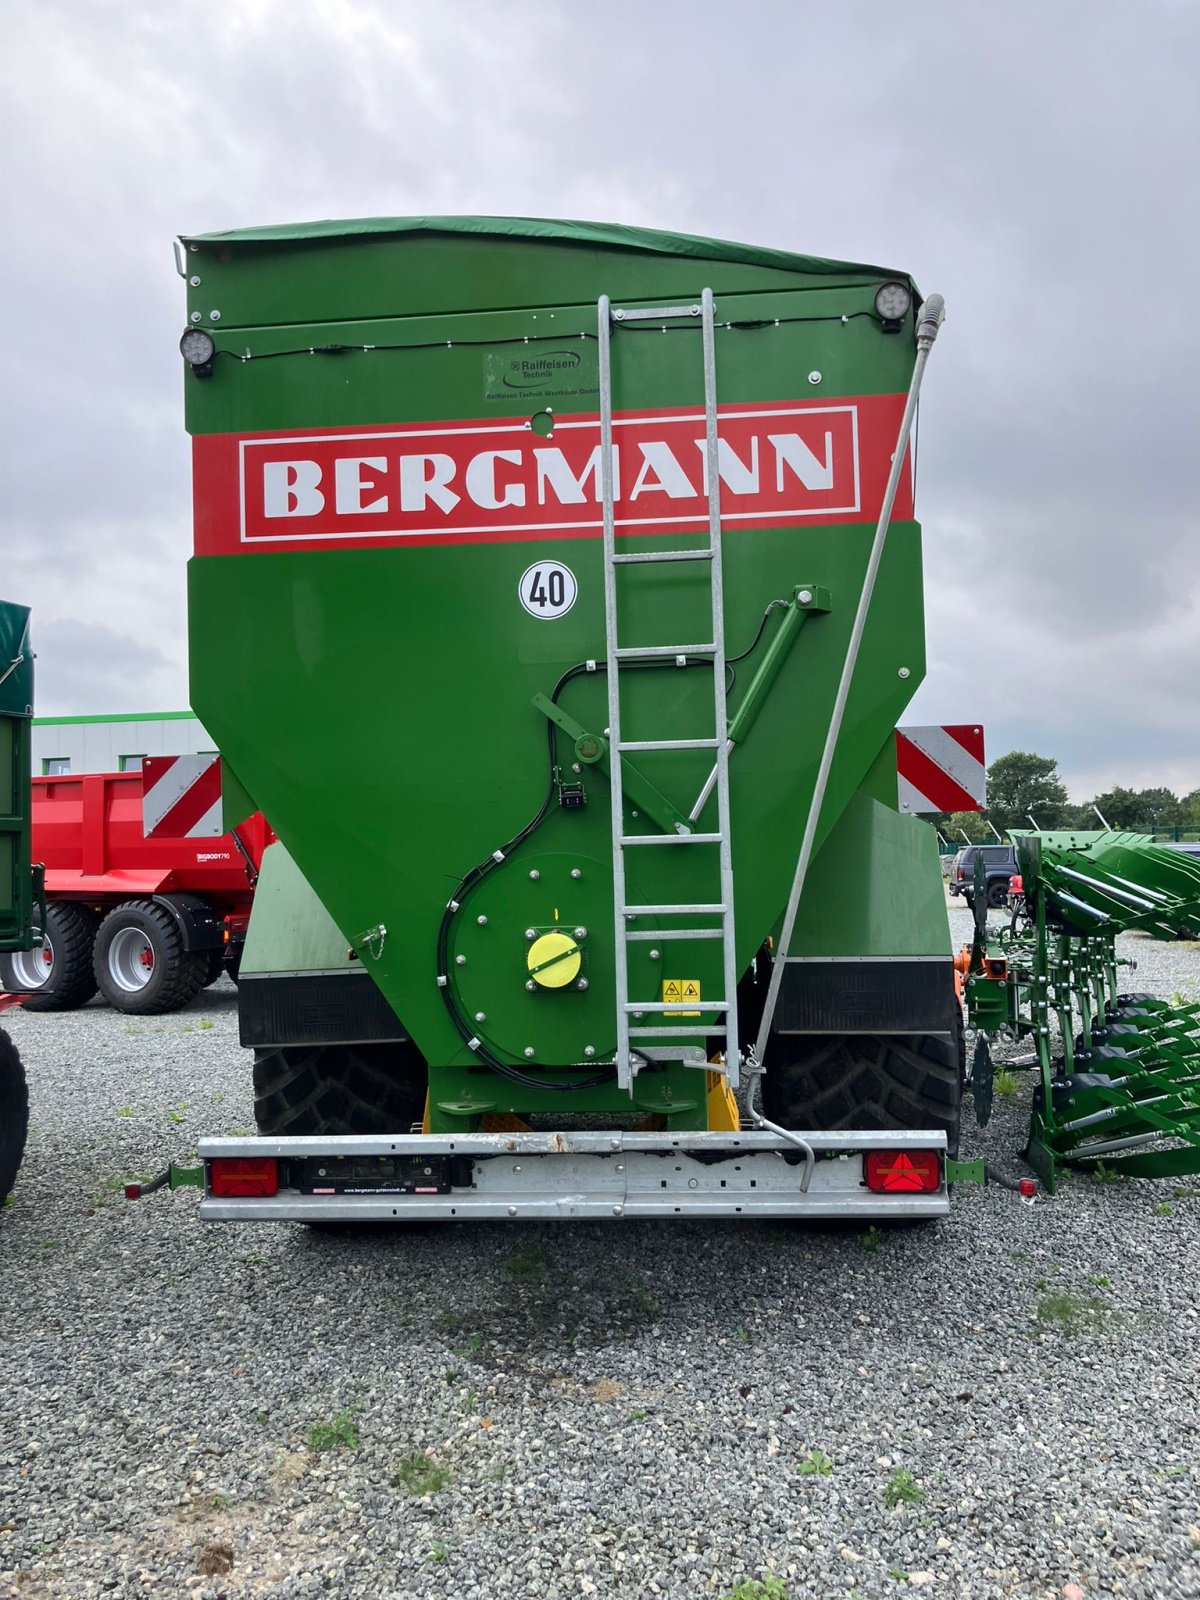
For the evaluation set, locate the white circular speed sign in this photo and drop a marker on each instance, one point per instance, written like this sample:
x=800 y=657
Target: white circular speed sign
x=548 y=589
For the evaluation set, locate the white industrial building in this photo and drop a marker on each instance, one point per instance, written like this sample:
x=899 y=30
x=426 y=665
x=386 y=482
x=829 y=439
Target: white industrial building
x=70 y=745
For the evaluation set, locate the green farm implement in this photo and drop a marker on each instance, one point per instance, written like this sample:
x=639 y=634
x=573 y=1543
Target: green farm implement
x=19 y=885
x=1119 y=1072
x=556 y=594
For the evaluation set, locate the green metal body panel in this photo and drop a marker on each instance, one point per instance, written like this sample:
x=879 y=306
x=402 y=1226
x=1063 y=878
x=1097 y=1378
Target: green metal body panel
x=378 y=703
x=16 y=713
x=875 y=889
x=290 y=931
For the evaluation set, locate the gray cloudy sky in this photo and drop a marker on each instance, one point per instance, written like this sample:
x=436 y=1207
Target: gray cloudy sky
x=1035 y=162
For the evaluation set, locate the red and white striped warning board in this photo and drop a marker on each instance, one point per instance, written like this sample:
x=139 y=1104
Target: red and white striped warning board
x=181 y=797
x=941 y=769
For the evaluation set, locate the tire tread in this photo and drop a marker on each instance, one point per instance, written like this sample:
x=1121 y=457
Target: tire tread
x=338 y=1089
x=181 y=973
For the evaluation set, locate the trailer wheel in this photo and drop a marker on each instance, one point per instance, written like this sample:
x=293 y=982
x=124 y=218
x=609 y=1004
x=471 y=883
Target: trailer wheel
x=828 y=1081
x=14 y=1114
x=215 y=967
x=58 y=975
x=349 y=1088
x=140 y=962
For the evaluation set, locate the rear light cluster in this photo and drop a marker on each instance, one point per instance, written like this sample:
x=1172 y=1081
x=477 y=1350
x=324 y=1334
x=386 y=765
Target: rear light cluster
x=903 y=1171
x=243 y=1177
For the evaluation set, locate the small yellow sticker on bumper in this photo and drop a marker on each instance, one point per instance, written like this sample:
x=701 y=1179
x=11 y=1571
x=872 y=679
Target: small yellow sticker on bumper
x=676 y=990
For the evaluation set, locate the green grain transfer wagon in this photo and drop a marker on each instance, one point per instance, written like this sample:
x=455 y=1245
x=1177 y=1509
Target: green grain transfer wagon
x=556 y=593
x=19 y=885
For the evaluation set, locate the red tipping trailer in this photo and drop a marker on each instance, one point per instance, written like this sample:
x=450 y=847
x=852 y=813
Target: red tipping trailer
x=149 y=921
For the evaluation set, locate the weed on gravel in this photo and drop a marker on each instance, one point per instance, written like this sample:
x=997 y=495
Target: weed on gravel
x=1072 y=1314
x=340 y=1433
x=419 y=1474
x=902 y=1489
x=768 y=1587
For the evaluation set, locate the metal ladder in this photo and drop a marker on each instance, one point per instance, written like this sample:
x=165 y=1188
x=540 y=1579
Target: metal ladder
x=629 y=1011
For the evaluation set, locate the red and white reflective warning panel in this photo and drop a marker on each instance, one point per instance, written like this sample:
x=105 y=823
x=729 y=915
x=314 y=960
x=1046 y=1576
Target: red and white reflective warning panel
x=941 y=769
x=181 y=797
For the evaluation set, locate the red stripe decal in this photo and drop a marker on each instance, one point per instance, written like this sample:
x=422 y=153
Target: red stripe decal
x=967 y=734
x=192 y=804
x=927 y=777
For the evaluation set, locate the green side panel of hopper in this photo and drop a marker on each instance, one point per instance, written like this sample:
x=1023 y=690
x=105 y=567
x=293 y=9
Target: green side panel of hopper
x=16 y=713
x=366 y=639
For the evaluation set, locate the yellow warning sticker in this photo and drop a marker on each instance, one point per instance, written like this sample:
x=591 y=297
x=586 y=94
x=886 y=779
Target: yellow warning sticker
x=676 y=990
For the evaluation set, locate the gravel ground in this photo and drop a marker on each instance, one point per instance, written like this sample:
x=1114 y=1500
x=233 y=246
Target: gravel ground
x=544 y=1411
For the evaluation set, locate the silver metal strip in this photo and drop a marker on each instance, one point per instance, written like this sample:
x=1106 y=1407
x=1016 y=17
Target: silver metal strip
x=654 y=313
x=625 y=1069
x=683 y=1007
x=563 y=1142
x=648 y=934
x=643 y=556
x=696 y=908
x=638 y=652
x=576 y=1206
x=733 y=1058
x=672 y=838
x=668 y=744
x=637 y=1031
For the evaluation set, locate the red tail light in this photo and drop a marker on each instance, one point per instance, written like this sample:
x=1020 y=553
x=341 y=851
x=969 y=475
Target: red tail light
x=242 y=1177
x=903 y=1171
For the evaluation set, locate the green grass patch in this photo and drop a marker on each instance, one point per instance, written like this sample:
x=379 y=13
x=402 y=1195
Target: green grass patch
x=1070 y=1313
x=1006 y=1083
x=902 y=1489
x=339 y=1433
x=419 y=1474
x=527 y=1261
x=816 y=1464
x=768 y=1587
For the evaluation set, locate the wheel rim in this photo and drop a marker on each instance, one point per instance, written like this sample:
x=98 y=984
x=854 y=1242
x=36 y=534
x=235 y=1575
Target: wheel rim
x=33 y=969
x=130 y=960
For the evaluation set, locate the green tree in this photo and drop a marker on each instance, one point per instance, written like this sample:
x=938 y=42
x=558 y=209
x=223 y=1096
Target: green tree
x=969 y=822
x=1022 y=783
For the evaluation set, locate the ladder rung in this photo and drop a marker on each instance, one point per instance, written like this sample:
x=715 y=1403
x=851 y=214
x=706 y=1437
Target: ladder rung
x=676 y=910
x=664 y=555
x=676 y=1006
x=675 y=1033
x=653 y=313
x=671 y=838
x=666 y=744
x=649 y=934
x=639 y=652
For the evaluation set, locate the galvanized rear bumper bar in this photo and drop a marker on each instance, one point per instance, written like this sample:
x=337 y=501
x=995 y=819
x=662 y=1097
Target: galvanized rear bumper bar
x=590 y=1176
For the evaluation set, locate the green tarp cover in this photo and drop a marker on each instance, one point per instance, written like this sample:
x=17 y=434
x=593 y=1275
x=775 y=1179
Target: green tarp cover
x=612 y=235
x=16 y=682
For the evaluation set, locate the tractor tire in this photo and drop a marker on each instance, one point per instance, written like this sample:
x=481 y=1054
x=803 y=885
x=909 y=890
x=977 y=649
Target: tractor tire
x=997 y=894
x=140 y=962
x=14 y=1114
x=823 y=1082
x=58 y=975
x=215 y=967
x=334 y=1089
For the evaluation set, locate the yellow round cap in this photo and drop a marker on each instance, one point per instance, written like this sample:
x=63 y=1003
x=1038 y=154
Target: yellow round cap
x=553 y=960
